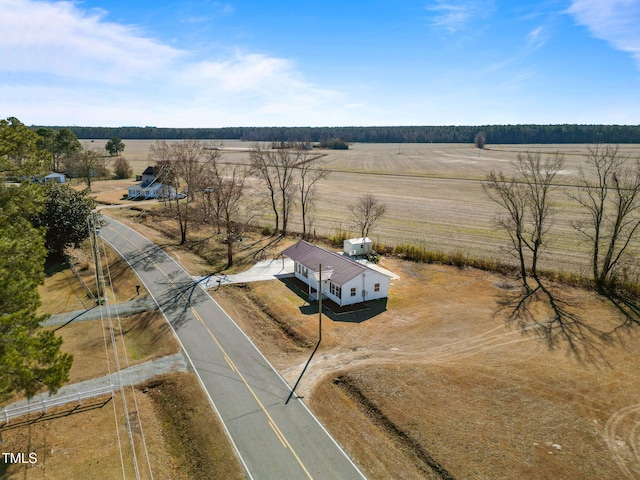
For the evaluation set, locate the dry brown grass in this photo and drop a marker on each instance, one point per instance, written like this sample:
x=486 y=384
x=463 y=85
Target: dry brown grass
x=183 y=435
x=204 y=252
x=184 y=439
x=443 y=377
x=146 y=336
x=63 y=292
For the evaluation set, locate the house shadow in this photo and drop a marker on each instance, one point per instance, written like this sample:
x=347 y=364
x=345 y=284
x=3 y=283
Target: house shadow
x=356 y=313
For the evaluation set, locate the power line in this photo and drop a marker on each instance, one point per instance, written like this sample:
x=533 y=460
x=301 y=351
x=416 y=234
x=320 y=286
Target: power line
x=91 y=224
x=126 y=358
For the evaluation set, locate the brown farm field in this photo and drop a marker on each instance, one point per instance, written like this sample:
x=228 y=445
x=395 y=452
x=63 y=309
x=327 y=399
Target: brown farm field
x=442 y=384
x=433 y=193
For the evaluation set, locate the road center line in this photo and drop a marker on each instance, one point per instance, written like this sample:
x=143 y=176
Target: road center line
x=270 y=420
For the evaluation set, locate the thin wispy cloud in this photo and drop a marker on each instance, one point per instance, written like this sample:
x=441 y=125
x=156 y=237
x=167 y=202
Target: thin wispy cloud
x=536 y=38
x=57 y=39
x=615 y=21
x=453 y=16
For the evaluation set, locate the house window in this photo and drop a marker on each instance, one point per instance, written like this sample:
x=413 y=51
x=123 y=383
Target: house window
x=305 y=272
x=353 y=292
x=376 y=287
x=335 y=290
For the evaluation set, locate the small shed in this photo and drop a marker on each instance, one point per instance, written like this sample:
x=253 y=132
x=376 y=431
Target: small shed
x=356 y=247
x=54 y=178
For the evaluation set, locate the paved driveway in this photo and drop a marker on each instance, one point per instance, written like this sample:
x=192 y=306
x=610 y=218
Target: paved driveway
x=263 y=270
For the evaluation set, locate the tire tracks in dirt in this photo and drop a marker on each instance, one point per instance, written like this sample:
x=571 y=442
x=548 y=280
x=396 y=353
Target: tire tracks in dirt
x=340 y=358
x=622 y=435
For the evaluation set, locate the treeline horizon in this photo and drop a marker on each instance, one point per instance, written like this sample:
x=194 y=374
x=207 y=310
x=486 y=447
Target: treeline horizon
x=494 y=134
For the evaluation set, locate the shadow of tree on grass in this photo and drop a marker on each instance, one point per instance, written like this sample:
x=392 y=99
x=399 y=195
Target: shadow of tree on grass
x=545 y=313
x=627 y=305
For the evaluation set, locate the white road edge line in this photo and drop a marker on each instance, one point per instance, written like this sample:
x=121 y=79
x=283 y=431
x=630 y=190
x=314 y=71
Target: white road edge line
x=186 y=354
x=260 y=353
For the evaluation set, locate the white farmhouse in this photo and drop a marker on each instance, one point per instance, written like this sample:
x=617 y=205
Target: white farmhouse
x=150 y=187
x=344 y=280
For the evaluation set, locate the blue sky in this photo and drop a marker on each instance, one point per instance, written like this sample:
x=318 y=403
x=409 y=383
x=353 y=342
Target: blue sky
x=199 y=63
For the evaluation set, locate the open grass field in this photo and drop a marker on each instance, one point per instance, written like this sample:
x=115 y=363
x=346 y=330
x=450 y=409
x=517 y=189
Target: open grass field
x=433 y=193
x=444 y=383
x=174 y=429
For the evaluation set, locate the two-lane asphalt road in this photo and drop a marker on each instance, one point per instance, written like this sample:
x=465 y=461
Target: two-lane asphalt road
x=273 y=440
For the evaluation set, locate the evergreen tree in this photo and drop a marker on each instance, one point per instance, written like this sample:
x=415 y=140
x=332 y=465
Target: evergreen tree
x=30 y=358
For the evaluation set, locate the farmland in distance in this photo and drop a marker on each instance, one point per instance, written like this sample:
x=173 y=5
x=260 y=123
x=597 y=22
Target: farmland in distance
x=433 y=193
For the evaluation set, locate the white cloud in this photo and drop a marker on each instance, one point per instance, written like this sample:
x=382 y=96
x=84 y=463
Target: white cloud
x=455 y=15
x=64 y=65
x=60 y=40
x=615 y=21
x=536 y=38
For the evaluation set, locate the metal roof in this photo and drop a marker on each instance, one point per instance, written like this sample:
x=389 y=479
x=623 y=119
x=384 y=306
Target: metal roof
x=312 y=256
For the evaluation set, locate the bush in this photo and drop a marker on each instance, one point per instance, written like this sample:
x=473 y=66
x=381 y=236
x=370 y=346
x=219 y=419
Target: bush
x=334 y=144
x=121 y=168
x=267 y=231
x=339 y=237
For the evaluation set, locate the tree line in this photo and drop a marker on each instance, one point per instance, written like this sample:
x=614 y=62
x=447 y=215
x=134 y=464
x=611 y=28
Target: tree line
x=494 y=134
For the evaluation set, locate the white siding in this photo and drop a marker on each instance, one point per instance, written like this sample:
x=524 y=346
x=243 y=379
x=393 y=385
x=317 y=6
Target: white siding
x=358 y=246
x=365 y=286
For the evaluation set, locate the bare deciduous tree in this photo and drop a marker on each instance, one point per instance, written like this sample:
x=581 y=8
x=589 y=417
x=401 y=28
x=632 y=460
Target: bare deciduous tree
x=122 y=168
x=227 y=191
x=609 y=191
x=538 y=178
x=87 y=164
x=179 y=165
x=528 y=208
x=310 y=175
x=528 y=214
x=275 y=168
x=209 y=200
x=510 y=196
x=366 y=213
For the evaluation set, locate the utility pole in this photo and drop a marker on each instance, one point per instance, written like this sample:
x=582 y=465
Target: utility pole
x=96 y=254
x=319 y=278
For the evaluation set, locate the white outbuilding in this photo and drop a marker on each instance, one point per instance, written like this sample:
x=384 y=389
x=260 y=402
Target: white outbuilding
x=357 y=247
x=344 y=280
x=54 y=178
